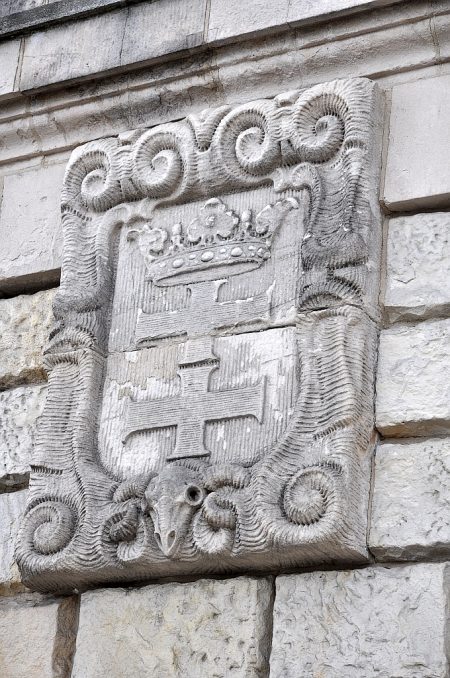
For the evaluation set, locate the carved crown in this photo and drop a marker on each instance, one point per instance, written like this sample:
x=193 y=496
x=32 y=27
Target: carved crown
x=216 y=243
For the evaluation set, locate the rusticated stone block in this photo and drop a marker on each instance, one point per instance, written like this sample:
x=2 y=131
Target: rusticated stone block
x=37 y=636
x=12 y=505
x=20 y=408
x=206 y=628
x=379 y=621
x=30 y=227
x=24 y=326
x=411 y=500
x=413 y=382
x=418 y=267
x=417 y=168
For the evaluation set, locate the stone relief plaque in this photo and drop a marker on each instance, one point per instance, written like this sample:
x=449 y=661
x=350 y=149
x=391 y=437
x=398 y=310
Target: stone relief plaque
x=211 y=362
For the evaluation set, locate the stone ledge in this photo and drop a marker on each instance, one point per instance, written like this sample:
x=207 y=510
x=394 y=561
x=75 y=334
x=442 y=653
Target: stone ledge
x=418 y=267
x=204 y=628
x=59 y=119
x=388 y=621
x=413 y=380
x=25 y=323
x=18 y=16
x=410 y=500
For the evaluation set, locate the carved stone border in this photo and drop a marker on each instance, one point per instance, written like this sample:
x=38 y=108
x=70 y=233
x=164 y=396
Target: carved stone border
x=306 y=501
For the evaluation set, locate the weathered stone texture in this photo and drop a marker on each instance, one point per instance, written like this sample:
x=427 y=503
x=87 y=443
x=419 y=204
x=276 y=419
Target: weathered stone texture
x=411 y=500
x=12 y=505
x=24 y=327
x=9 y=59
x=236 y=18
x=417 y=169
x=418 y=267
x=381 y=621
x=163 y=27
x=413 y=382
x=20 y=408
x=206 y=628
x=30 y=229
x=37 y=636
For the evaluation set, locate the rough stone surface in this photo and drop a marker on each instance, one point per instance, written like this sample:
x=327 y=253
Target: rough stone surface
x=418 y=267
x=411 y=500
x=206 y=628
x=417 y=168
x=12 y=505
x=381 y=621
x=30 y=227
x=24 y=327
x=413 y=381
x=37 y=636
x=20 y=408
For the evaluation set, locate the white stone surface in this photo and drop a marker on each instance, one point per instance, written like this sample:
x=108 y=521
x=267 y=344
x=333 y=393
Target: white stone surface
x=417 y=169
x=164 y=27
x=9 y=60
x=205 y=628
x=108 y=41
x=24 y=327
x=233 y=18
x=418 y=266
x=30 y=228
x=380 y=621
x=36 y=636
x=20 y=408
x=12 y=505
x=411 y=500
x=413 y=380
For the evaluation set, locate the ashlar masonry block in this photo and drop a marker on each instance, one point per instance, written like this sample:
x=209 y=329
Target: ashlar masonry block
x=25 y=322
x=411 y=496
x=12 y=506
x=37 y=636
x=418 y=267
x=383 y=621
x=417 y=169
x=20 y=409
x=205 y=628
x=413 y=380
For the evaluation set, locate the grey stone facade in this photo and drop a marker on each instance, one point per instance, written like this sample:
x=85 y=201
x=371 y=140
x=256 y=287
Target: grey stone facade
x=88 y=72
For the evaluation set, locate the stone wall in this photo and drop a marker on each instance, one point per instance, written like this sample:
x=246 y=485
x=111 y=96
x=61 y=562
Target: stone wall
x=117 y=66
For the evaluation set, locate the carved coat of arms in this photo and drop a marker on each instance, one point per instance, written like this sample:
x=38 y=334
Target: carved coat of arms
x=211 y=363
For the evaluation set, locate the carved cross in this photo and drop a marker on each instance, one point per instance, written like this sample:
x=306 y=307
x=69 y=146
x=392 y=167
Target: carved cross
x=193 y=407
x=203 y=314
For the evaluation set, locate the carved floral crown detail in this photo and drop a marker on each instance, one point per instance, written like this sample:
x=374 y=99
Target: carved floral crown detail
x=216 y=243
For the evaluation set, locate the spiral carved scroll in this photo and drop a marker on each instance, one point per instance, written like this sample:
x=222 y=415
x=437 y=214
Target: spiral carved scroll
x=91 y=177
x=162 y=161
x=317 y=128
x=308 y=495
x=49 y=527
x=247 y=142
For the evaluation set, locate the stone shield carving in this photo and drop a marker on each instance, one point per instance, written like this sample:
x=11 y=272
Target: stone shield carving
x=211 y=362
